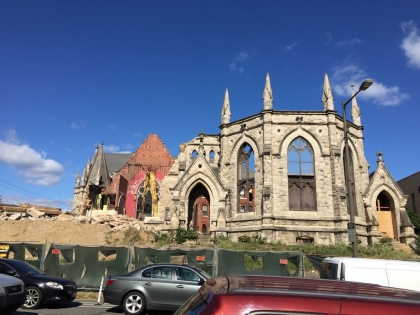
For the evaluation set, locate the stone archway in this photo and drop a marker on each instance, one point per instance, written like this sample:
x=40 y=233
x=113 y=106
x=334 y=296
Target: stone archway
x=385 y=210
x=199 y=209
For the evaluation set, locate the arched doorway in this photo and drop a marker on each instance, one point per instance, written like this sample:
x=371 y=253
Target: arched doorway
x=385 y=213
x=199 y=209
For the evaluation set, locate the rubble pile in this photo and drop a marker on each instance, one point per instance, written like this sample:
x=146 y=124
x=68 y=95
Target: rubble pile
x=116 y=222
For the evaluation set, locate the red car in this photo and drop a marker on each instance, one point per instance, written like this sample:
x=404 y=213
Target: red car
x=263 y=295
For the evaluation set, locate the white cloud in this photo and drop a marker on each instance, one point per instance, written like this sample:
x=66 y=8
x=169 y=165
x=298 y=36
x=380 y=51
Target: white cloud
x=30 y=164
x=78 y=125
x=242 y=57
x=379 y=93
x=114 y=149
x=350 y=42
x=329 y=40
x=67 y=149
x=129 y=146
x=111 y=148
x=290 y=47
x=11 y=136
x=411 y=44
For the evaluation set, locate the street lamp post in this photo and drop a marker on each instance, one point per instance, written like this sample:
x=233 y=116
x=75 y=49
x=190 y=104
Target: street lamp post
x=364 y=86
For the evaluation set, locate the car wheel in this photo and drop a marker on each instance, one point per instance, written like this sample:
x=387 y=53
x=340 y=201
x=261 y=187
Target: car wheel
x=33 y=298
x=134 y=303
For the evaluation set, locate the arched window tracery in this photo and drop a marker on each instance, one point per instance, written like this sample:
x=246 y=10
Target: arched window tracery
x=246 y=179
x=301 y=176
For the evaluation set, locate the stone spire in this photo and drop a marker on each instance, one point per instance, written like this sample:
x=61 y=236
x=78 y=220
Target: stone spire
x=355 y=110
x=226 y=109
x=268 y=94
x=78 y=178
x=89 y=164
x=327 y=97
x=85 y=175
x=98 y=177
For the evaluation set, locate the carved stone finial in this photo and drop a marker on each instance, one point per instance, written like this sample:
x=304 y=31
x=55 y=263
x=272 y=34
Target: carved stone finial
x=201 y=136
x=182 y=147
x=379 y=154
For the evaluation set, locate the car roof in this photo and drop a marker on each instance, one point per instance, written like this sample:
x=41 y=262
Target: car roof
x=168 y=265
x=306 y=286
x=9 y=260
x=363 y=260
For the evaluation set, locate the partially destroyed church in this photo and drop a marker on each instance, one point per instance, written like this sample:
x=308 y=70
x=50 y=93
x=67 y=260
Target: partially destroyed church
x=277 y=174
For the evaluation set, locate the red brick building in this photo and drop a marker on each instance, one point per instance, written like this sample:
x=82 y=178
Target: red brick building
x=126 y=183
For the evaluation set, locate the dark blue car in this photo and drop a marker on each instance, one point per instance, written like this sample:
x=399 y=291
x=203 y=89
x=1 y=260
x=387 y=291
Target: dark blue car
x=40 y=288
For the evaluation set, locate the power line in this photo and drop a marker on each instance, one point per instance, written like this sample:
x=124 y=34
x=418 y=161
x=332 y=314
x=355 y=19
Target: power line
x=24 y=191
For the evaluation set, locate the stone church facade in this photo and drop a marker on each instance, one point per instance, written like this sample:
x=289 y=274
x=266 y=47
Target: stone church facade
x=277 y=174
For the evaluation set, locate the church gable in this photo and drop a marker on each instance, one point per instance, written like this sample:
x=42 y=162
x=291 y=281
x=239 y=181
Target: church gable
x=153 y=154
x=381 y=179
x=152 y=151
x=200 y=169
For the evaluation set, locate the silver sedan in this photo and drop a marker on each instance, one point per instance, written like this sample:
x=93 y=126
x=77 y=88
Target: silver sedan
x=162 y=287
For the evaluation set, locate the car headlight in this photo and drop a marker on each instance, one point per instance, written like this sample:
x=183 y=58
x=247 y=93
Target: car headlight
x=55 y=285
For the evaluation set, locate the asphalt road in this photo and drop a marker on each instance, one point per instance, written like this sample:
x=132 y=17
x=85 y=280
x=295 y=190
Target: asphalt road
x=80 y=308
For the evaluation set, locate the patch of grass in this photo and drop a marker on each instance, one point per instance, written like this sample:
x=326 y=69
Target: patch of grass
x=110 y=238
x=87 y=295
x=382 y=250
x=132 y=236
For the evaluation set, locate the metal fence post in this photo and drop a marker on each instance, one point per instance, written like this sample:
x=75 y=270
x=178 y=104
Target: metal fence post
x=215 y=261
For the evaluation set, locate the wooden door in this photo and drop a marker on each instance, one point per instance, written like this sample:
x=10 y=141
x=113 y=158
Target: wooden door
x=385 y=220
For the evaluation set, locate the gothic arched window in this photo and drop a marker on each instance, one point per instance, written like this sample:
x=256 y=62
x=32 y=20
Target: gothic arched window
x=301 y=174
x=194 y=155
x=211 y=157
x=246 y=179
x=148 y=196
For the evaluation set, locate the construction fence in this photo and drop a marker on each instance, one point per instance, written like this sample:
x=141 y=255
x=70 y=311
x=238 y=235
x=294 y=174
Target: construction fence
x=89 y=265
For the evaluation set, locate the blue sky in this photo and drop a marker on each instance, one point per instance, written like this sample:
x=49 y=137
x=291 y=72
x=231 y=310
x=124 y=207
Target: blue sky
x=76 y=73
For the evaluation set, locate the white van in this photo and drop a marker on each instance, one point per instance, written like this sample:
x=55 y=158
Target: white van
x=391 y=273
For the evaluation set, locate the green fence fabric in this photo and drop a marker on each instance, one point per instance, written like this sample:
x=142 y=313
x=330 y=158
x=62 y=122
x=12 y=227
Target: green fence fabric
x=86 y=265
x=31 y=253
x=259 y=263
x=316 y=261
x=201 y=258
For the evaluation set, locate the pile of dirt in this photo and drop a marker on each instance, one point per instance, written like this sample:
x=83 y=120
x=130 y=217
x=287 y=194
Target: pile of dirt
x=71 y=232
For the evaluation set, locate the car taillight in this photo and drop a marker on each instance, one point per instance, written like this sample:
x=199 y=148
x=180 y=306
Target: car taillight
x=109 y=282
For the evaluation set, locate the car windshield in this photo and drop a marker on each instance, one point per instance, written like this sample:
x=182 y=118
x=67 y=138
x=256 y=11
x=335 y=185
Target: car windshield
x=25 y=268
x=329 y=271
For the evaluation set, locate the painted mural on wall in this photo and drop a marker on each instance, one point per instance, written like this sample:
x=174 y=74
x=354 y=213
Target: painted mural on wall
x=143 y=194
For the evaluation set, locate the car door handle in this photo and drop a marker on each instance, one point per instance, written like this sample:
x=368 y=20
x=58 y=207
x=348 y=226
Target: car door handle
x=148 y=283
x=180 y=286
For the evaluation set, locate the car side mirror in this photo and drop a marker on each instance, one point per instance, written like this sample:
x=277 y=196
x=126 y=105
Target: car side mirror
x=10 y=273
x=201 y=281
